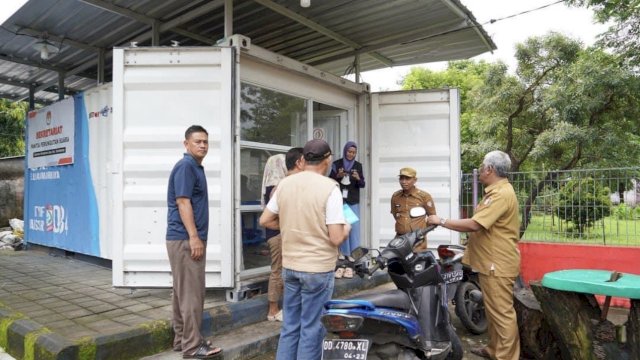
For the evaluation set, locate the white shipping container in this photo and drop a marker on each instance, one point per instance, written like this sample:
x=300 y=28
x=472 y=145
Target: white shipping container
x=137 y=129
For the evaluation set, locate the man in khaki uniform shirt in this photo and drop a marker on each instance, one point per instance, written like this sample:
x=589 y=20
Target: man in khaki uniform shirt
x=407 y=198
x=493 y=252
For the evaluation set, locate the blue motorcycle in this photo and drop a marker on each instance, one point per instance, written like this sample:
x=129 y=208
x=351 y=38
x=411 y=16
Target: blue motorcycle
x=410 y=322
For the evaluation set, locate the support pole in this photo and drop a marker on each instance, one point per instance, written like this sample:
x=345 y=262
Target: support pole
x=474 y=187
x=100 y=74
x=32 y=97
x=155 y=33
x=228 y=18
x=61 y=86
x=357 y=68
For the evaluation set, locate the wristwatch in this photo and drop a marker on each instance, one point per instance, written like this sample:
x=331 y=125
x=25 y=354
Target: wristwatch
x=443 y=221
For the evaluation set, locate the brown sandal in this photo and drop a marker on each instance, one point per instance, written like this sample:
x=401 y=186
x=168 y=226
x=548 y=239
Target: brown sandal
x=205 y=351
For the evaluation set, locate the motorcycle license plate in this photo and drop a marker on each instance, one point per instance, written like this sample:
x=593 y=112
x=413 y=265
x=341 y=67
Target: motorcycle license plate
x=339 y=349
x=452 y=276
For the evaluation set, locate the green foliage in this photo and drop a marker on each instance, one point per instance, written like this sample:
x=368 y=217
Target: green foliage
x=624 y=212
x=566 y=107
x=87 y=348
x=30 y=345
x=12 y=125
x=584 y=202
x=268 y=116
x=623 y=35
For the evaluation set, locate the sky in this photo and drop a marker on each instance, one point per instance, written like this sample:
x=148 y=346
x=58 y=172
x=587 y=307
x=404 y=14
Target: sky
x=574 y=22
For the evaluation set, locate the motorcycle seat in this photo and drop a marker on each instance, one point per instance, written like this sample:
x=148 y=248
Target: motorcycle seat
x=395 y=299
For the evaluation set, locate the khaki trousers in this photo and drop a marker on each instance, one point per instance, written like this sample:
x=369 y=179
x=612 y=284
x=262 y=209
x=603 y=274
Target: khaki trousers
x=188 y=295
x=276 y=286
x=504 y=340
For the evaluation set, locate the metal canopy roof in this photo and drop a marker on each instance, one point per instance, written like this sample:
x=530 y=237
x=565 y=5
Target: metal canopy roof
x=329 y=35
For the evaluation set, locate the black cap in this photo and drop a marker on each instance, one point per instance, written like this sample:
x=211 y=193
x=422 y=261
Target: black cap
x=316 y=149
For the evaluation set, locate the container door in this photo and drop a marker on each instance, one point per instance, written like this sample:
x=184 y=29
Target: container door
x=158 y=93
x=418 y=129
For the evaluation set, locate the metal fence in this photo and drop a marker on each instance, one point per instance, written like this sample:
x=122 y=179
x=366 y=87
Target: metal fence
x=600 y=206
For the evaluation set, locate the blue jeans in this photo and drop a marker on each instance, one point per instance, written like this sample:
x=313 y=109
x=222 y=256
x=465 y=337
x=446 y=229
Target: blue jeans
x=353 y=241
x=304 y=296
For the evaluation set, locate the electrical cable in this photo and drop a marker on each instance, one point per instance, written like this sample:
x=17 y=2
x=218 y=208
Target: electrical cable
x=492 y=21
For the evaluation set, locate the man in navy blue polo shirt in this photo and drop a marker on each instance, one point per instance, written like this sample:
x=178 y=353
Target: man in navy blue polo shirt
x=187 y=228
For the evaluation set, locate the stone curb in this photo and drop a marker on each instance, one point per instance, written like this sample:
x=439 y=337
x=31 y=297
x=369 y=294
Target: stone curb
x=23 y=338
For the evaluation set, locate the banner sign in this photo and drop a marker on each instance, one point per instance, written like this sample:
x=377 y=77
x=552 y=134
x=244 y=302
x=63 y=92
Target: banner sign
x=61 y=208
x=51 y=133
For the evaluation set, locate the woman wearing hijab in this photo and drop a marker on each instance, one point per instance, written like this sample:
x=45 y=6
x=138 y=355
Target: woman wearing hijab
x=348 y=173
x=274 y=171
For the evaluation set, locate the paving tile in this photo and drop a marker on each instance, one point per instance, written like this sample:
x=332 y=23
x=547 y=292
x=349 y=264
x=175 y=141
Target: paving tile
x=88 y=319
x=64 y=309
x=48 y=301
x=89 y=302
x=131 y=319
x=26 y=307
x=155 y=314
x=128 y=302
x=39 y=313
x=70 y=295
x=74 y=314
x=76 y=331
x=156 y=303
x=99 y=309
x=115 y=313
x=47 y=318
x=107 y=326
x=138 y=307
x=54 y=326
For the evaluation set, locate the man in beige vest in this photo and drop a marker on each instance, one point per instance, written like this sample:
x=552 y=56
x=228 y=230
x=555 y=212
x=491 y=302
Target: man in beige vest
x=493 y=251
x=307 y=208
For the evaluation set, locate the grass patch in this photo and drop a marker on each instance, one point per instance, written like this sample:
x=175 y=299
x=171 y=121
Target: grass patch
x=608 y=231
x=4 y=327
x=161 y=335
x=30 y=343
x=87 y=348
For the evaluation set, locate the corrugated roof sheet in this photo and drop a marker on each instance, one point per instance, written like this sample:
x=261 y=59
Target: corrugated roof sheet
x=327 y=35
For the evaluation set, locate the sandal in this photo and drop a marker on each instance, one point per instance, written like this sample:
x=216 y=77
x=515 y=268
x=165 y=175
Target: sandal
x=205 y=351
x=339 y=273
x=276 y=317
x=178 y=347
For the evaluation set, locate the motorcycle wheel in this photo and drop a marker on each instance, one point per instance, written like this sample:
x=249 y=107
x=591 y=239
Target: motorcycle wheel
x=457 y=350
x=470 y=313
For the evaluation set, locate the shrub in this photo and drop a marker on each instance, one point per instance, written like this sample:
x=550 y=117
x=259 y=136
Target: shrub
x=583 y=202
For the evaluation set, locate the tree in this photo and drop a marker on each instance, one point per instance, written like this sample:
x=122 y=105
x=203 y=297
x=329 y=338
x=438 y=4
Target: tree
x=12 y=125
x=623 y=36
x=583 y=202
x=567 y=107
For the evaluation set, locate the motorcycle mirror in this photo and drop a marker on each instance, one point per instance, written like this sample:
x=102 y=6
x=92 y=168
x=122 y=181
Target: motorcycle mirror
x=359 y=252
x=417 y=212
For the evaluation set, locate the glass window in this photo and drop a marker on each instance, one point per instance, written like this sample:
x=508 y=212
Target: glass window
x=271 y=117
x=252 y=162
x=330 y=125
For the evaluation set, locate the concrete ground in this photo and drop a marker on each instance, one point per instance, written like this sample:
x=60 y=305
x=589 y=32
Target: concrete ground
x=265 y=335
x=56 y=307
x=53 y=306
